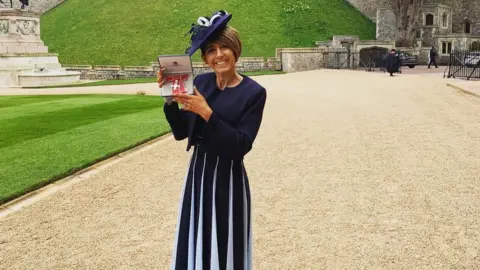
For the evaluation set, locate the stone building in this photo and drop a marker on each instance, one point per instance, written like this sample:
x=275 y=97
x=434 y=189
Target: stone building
x=445 y=24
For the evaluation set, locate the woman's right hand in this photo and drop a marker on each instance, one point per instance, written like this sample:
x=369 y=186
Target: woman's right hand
x=160 y=79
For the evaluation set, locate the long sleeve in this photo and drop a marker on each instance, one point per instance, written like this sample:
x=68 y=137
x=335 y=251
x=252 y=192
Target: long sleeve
x=177 y=120
x=235 y=142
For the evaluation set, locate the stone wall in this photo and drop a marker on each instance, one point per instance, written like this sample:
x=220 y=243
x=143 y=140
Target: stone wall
x=386 y=24
x=427 y=36
x=444 y=26
x=458 y=41
x=349 y=51
x=365 y=44
x=40 y=6
x=462 y=8
x=303 y=59
x=108 y=72
x=465 y=9
x=368 y=7
x=457 y=11
x=287 y=60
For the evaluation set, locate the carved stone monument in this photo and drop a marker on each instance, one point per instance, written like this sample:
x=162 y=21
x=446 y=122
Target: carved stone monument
x=24 y=58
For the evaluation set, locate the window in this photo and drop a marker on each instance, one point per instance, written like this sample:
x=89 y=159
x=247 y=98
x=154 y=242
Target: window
x=429 y=19
x=475 y=46
x=445 y=20
x=467 y=26
x=446 y=47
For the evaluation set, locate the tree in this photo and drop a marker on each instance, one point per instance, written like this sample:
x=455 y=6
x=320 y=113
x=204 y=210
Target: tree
x=407 y=13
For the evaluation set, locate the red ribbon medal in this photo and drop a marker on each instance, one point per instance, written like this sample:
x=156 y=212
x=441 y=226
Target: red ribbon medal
x=178 y=85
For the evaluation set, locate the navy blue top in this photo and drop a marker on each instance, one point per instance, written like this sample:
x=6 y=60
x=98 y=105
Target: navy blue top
x=200 y=122
x=234 y=123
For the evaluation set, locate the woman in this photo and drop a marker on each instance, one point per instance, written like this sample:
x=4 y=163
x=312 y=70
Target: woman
x=221 y=121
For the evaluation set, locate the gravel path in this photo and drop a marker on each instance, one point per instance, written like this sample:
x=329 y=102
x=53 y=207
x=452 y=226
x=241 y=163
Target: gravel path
x=350 y=170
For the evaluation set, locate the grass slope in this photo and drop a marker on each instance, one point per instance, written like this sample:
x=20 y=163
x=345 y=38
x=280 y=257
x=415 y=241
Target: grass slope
x=134 y=32
x=45 y=138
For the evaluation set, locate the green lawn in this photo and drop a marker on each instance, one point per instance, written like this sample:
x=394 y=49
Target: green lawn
x=44 y=138
x=135 y=32
x=99 y=83
x=143 y=80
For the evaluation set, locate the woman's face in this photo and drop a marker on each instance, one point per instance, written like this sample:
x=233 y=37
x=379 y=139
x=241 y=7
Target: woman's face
x=220 y=58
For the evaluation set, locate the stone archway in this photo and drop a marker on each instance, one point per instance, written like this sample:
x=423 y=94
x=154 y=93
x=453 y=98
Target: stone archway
x=372 y=56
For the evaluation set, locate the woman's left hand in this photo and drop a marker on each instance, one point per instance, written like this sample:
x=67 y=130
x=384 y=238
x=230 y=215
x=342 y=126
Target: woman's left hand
x=195 y=103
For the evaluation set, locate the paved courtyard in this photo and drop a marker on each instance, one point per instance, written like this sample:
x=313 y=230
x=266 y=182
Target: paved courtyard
x=350 y=170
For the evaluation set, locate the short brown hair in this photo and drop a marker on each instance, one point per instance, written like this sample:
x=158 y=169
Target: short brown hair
x=228 y=37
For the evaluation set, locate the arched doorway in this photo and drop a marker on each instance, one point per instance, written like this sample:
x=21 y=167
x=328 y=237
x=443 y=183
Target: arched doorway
x=372 y=57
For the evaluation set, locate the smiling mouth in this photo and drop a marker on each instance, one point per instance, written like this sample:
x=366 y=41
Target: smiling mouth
x=220 y=63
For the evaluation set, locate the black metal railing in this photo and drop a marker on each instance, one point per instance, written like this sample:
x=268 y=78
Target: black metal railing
x=339 y=60
x=464 y=64
x=368 y=60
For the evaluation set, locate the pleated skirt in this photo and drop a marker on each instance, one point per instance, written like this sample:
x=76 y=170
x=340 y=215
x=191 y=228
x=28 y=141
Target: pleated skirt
x=214 y=222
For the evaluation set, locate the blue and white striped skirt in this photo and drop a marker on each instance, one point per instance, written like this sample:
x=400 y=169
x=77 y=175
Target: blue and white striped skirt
x=214 y=229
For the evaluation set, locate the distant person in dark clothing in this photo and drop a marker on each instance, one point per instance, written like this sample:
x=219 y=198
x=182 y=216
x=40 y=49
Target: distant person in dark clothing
x=392 y=62
x=433 y=57
x=24 y=3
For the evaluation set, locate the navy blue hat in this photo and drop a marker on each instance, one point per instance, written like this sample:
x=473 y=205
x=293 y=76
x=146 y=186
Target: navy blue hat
x=206 y=27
